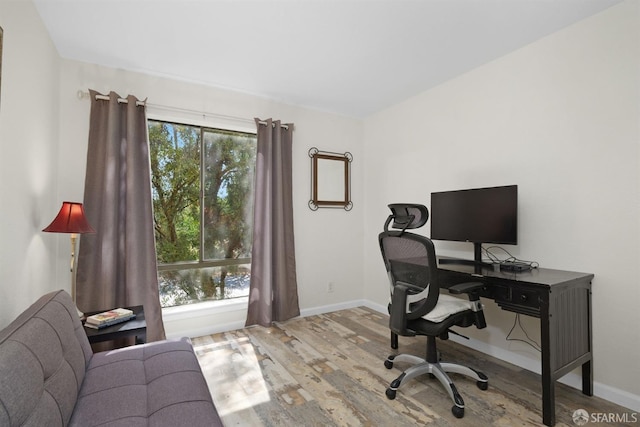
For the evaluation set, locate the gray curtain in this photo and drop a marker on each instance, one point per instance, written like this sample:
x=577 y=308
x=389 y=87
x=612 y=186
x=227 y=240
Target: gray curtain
x=117 y=265
x=273 y=293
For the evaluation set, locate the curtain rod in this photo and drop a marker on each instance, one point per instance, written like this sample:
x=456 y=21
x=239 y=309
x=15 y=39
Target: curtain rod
x=83 y=94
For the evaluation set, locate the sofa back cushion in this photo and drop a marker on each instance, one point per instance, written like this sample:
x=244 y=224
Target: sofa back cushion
x=43 y=357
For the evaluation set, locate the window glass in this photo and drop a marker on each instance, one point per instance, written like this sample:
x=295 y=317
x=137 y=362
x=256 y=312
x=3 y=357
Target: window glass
x=202 y=191
x=229 y=160
x=179 y=287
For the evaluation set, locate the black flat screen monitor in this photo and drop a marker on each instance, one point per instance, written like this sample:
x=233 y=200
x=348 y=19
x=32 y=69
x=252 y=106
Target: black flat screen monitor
x=479 y=215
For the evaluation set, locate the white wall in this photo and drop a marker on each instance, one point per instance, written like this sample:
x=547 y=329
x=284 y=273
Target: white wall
x=559 y=118
x=28 y=161
x=328 y=241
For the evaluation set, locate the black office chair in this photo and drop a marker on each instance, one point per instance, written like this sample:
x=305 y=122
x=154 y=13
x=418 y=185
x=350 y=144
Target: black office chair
x=418 y=308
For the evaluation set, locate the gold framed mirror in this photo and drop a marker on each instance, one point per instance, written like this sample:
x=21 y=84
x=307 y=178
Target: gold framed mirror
x=330 y=180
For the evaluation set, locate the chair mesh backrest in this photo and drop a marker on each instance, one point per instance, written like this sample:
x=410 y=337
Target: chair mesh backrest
x=406 y=258
x=410 y=258
x=399 y=247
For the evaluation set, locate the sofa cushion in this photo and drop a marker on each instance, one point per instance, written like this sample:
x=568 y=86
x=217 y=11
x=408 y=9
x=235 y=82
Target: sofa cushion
x=156 y=384
x=43 y=357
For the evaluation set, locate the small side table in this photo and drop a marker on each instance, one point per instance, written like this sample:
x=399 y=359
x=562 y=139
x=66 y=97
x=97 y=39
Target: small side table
x=136 y=327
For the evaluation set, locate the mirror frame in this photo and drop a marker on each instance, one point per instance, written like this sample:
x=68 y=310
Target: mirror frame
x=315 y=202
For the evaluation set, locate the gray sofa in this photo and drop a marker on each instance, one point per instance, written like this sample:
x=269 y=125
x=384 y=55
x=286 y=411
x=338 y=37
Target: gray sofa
x=49 y=376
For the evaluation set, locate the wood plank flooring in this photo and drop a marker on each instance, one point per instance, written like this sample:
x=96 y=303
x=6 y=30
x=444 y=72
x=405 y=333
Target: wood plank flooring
x=327 y=370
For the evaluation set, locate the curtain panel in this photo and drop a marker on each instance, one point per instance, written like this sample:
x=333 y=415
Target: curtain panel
x=273 y=292
x=117 y=266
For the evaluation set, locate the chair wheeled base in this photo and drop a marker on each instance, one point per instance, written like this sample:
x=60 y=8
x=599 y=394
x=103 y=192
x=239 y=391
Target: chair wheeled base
x=438 y=370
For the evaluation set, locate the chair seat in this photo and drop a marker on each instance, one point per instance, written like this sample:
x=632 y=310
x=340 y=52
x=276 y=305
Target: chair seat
x=446 y=306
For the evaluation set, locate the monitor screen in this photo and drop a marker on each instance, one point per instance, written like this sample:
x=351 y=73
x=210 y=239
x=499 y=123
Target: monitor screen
x=479 y=215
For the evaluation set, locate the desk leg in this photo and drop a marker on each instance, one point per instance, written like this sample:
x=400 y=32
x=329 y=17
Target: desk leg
x=548 y=401
x=587 y=367
x=587 y=378
x=548 y=383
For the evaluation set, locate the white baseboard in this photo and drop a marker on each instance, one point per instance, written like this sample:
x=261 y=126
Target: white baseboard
x=207 y=330
x=332 y=307
x=377 y=307
x=175 y=314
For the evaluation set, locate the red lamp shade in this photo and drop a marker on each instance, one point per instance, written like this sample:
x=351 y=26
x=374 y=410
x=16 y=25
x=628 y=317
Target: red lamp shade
x=70 y=219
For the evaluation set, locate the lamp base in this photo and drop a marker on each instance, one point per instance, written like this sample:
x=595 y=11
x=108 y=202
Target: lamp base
x=80 y=314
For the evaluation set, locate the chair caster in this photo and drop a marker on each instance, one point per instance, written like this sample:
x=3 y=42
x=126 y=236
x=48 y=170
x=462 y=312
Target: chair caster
x=483 y=385
x=391 y=394
x=457 y=411
x=388 y=364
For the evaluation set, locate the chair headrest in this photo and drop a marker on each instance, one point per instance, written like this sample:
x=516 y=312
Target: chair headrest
x=407 y=216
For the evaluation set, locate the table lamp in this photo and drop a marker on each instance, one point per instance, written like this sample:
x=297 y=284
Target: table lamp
x=71 y=220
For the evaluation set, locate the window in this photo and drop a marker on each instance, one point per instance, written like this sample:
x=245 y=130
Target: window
x=202 y=187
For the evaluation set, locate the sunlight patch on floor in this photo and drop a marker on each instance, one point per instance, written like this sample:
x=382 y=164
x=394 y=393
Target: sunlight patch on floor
x=234 y=373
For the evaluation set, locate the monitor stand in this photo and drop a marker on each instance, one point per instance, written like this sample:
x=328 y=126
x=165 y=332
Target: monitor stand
x=475 y=262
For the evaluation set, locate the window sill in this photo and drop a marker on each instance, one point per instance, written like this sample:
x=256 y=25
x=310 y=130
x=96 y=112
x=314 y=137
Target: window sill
x=204 y=308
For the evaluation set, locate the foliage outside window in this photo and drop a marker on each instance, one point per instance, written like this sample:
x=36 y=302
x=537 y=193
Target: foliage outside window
x=202 y=186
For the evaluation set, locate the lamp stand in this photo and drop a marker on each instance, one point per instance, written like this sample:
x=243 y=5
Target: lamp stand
x=71 y=220
x=74 y=237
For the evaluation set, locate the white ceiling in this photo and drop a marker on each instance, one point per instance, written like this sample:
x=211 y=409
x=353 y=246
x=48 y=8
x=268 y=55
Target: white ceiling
x=350 y=57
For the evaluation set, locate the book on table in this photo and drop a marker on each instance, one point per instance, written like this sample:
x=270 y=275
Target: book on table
x=108 y=318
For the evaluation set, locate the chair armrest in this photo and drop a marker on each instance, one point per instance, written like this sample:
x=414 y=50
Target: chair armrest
x=397 y=311
x=465 y=288
x=411 y=289
x=471 y=289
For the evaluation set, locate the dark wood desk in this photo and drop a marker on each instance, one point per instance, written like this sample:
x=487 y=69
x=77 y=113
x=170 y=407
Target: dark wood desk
x=136 y=327
x=562 y=302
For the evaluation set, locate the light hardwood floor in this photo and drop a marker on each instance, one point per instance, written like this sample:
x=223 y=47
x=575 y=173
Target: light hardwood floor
x=328 y=370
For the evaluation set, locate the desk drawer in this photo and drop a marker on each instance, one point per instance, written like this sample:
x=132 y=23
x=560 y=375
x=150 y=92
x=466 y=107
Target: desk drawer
x=517 y=300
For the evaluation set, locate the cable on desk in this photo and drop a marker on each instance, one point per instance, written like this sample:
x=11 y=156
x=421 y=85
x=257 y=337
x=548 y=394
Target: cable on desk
x=510 y=258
